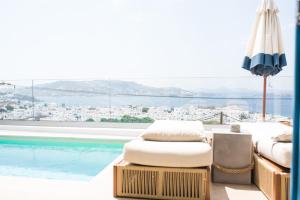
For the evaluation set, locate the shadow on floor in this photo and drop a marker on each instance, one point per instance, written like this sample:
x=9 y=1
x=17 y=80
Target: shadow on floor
x=218 y=192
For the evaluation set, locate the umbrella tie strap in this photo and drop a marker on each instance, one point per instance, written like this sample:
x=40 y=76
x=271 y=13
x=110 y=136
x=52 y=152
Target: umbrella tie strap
x=234 y=170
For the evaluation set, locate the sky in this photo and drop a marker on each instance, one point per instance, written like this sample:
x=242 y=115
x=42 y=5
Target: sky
x=131 y=39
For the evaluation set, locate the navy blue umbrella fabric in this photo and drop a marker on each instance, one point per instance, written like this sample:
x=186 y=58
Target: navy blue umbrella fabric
x=265 y=64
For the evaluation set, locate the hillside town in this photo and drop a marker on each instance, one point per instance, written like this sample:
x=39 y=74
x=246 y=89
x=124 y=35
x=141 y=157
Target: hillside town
x=26 y=110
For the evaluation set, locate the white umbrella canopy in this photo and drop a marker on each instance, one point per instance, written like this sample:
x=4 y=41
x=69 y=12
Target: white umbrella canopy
x=265 y=53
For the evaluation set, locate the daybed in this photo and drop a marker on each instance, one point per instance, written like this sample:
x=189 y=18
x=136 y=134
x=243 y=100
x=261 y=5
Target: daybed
x=272 y=158
x=159 y=165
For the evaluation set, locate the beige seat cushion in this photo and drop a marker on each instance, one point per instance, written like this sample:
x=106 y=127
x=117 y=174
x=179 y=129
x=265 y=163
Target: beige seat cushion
x=278 y=152
x=172 y=130
x=168 y=154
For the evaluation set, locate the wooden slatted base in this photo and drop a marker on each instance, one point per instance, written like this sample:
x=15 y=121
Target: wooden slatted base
x=272 y=179
x=161 y=182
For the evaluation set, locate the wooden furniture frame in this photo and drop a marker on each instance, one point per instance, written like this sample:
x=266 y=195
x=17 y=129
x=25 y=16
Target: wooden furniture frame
x=137 y=181
x=272 y=179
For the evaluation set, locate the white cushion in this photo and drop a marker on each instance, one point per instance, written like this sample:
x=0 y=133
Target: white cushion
x=171 y=130
x=284 y=137
x=264 y=130
x=278 y=152
x=168 y=154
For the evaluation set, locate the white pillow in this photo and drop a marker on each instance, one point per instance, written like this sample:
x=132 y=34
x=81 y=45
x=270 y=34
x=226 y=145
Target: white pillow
x=171 y=130
x=286 y=136
x=264 y=130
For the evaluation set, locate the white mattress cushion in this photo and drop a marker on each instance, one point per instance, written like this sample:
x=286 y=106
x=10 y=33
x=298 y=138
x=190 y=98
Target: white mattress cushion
x=172 y=130
x=278 y=152
x=168 y=154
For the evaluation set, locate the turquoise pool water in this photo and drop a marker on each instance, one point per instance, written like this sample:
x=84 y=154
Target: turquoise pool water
x=56 y=158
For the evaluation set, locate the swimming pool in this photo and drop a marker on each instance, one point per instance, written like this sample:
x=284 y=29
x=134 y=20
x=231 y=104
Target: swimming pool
x=56 y=158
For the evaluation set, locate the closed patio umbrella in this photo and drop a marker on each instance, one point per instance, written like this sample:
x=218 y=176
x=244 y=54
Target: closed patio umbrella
x=265 y=54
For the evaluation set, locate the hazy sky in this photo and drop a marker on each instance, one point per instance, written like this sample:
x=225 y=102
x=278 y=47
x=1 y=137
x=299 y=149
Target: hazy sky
x=130 y=38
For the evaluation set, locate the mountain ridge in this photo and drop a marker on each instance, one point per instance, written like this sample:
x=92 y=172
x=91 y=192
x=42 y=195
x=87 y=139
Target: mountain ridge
x=118 y=87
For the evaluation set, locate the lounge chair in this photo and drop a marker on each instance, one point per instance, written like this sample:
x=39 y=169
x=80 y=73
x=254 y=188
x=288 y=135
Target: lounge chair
x=166 y=167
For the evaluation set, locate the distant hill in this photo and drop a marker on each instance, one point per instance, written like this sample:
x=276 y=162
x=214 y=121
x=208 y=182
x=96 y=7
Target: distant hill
x=117 y=87
x=101 y=87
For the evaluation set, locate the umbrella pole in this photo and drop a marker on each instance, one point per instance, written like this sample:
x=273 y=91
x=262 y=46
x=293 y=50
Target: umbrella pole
x=264 y=99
